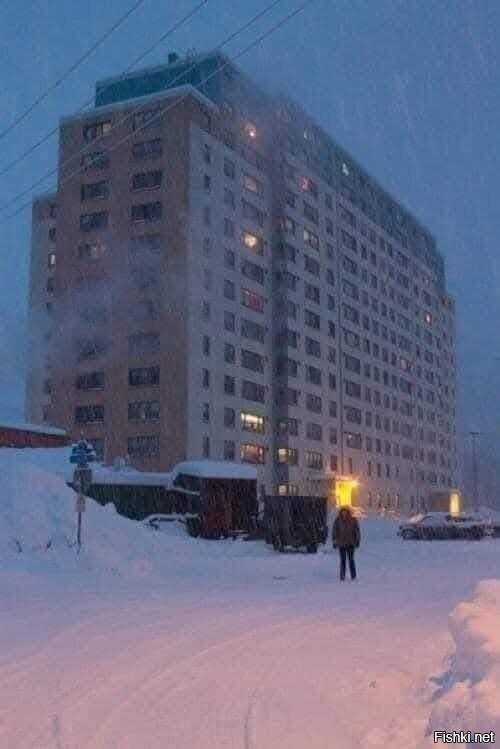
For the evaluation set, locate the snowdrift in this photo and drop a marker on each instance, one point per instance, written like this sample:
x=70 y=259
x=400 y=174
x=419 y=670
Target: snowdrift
x=470 y=700
x=38 y=522
x=38 y=529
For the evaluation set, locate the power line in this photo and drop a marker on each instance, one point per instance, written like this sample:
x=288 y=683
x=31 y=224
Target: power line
x=178 y=78
x=53 y=86
x=90 y=101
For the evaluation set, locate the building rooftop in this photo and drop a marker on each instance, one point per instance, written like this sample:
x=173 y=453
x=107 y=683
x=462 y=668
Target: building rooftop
x=206 y=74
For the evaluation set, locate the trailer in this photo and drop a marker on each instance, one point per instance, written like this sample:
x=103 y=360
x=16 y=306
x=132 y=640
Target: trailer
x=295 y=522
x=218 y=498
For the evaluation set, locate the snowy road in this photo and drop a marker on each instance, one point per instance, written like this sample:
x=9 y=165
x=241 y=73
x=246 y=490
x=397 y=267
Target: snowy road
x=234 y=647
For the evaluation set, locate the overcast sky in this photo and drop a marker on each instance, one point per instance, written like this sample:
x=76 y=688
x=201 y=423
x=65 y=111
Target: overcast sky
x=410 y=87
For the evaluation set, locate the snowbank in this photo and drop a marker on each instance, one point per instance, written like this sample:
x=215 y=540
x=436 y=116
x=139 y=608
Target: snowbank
x=471 y=697
x=38 y=523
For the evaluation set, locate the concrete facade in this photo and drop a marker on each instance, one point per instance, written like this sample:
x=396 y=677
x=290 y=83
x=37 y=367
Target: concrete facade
x=240 y=288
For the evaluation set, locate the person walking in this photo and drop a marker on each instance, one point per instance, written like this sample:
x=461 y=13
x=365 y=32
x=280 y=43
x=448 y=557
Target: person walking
x=346 y=537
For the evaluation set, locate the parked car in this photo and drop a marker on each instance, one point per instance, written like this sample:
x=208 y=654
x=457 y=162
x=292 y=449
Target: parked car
x=442 y=525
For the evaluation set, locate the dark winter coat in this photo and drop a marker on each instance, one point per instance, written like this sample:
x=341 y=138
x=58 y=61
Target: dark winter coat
x=345 y=530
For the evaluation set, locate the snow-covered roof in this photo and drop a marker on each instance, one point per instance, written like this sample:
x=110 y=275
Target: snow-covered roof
x=23 y=426
x=128 y=476
x=215 y=469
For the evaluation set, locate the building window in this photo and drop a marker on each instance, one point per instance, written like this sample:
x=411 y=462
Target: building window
x=252 y=300
x=229 y=450
x=229 y=289
x=96 y=130
x=89 y=414
x=229 y=198
x=311 y=239
x=205 y=378
x=91 y=250
x=51 y=260
x=229 y=259
x=206 y=446
x=147 y=212
x=250 y=453
x=252 y=184
x=353 y=440
x=314 y=403
x=250 y=129
x=229 y=168
x=94 y=221
x=313 y=347
x=252 y=422
x=252 y=242
x=250 y=211
x=149 y=149
x=229 y=385
x=205 y=412
x=90 y=349
x=287 y=455
x=253 y=391
x=314 y=431
x=144 y=411
x=253 y=331
x=90 y=381
x=147 y=118
x=252 y=271
x=229 y=228
x=229 y=353
x=311 y=213
x=311 y=265
x=147 y=180
x=312 y=319
x=95 y=160
x=314 y=460
x=229 y=321
x=313 y=375
x=251 y=360
x=94 y=191
x=143 y=445
x=229 y=418
x=144 y=376
x=52 y=234
x=288 y=490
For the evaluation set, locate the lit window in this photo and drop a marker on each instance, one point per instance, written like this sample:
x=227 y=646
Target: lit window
x=252 y=422
x=250 y=130
x=252 y=453
x=252 y=242
x=51 y=260
x=287 y=455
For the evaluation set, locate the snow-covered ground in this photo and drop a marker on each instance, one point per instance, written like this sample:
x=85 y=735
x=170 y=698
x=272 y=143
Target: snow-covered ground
x=149 y=640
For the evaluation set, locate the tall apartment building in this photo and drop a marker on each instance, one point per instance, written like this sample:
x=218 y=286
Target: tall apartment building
x=229 y=283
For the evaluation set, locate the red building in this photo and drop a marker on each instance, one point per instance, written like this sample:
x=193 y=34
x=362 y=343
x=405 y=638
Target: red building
x=31 y=435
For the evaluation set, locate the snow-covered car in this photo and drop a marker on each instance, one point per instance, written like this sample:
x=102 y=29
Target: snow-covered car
x=442 y=525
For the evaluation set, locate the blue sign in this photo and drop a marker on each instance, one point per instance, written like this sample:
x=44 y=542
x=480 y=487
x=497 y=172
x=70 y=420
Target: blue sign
x=82 y=453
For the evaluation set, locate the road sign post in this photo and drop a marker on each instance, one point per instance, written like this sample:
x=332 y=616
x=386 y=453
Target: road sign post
x=82 y=454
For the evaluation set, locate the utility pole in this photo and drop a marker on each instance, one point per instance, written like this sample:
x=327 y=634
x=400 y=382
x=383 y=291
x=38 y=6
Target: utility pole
x=473 y=436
